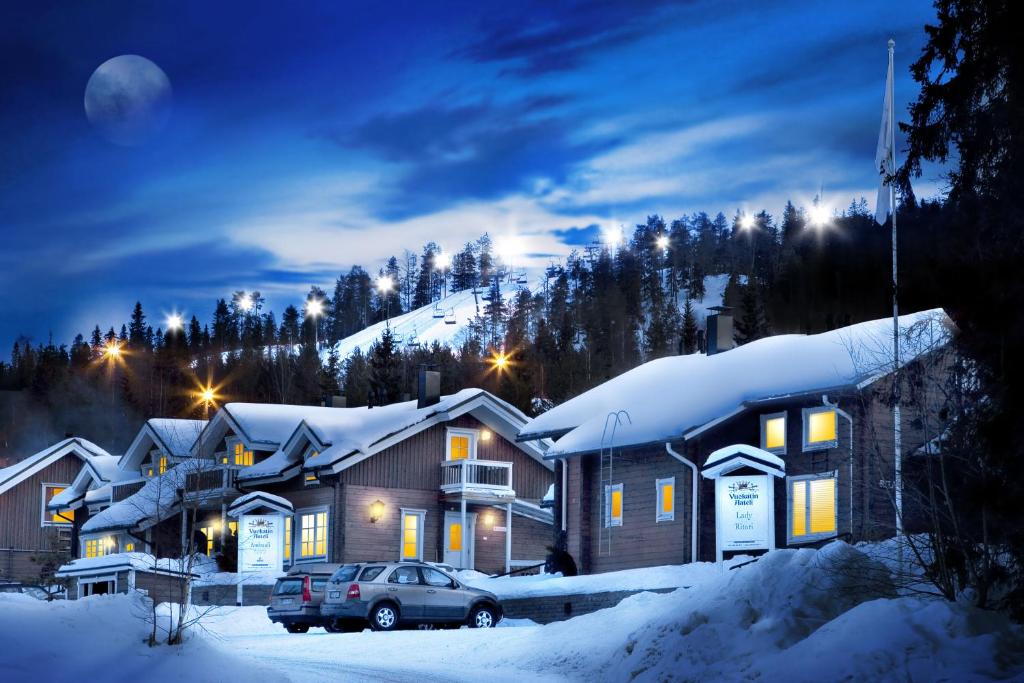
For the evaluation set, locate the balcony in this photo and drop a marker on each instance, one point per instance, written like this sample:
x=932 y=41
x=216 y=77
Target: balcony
x=477 y=479
x=215 y=482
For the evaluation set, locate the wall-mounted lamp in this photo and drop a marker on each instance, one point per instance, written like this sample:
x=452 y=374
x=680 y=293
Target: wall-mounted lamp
x=485 y=435
x=488 y=520
x=108 y=542
x=376 y=510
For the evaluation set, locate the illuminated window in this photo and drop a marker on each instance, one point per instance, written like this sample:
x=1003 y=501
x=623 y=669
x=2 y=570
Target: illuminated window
x=458 y=445
x=666 y=491
x=313 y=534
x=208 y=532
x=53 y=516
x=129 y=547
x=98 y=547
x=242 y=456
x=149 y=472
x=773 y=433
x=613 y=505
x=455 y=537
x=233 y=528
x=412 y=534
x=312 y=479
x=163 y=464
x=287 y=539
x=812 y=507
x=820 y=428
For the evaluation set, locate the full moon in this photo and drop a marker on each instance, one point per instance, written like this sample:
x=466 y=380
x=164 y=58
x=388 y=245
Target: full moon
x=128 y=99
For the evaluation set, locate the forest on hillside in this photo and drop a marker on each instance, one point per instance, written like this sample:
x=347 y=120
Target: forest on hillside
x=608 y=307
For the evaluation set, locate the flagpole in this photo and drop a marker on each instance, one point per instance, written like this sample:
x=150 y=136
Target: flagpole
x=897 y=427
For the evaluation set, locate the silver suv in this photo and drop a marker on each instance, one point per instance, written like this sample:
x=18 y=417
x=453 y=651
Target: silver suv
x=391 y=594
x=295 y=601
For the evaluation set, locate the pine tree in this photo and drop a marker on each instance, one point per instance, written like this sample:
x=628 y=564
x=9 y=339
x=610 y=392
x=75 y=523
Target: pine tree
x=357 y=379
x=485 y=260
x=385 y=369
x=751 y=324
x=137 y=327
x=424 y=293
x=688 y=339
x=464 y=270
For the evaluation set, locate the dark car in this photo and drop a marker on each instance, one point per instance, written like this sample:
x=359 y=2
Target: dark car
x=387 y=595
x=38 y=592
x=295 y=601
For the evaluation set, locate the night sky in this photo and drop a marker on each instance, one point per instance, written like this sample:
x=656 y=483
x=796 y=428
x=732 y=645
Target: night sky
x=303 y=141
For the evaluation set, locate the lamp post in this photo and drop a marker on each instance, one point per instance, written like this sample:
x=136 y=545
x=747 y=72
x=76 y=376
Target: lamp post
x=384 y=286
x=443 y=262
x=314 y=309
x=747 y=223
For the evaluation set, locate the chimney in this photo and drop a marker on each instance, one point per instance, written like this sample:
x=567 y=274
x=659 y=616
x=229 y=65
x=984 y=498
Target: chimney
x=338 y=402
x=719 y=330
x=429 y=388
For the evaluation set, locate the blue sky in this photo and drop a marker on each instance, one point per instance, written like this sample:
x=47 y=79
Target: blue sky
x=302 y=141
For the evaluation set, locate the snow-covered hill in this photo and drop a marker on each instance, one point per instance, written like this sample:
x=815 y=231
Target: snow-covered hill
x=446 y=321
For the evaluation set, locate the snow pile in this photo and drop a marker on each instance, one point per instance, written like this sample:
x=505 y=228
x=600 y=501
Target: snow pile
x=726 y=381
x=139 y=561
x=647 y=578
x=103 y=638
x=177 y=435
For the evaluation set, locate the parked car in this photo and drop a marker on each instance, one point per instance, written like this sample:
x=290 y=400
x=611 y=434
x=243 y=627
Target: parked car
x=295 y=600
x=38 y=592
x=387 y=595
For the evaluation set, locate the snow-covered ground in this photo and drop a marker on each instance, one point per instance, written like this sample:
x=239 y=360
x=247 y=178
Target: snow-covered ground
x=794 y=615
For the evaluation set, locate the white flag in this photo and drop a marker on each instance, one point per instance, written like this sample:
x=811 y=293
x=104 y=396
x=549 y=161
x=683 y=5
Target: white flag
x=884 y=158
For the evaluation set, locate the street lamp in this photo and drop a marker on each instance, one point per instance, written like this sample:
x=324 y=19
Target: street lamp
x=314 y=309
x=245 y=303
x=175 y=323
x=747 y=221
x=663 y=242
x=112 y=351
x=443 y=262
x=384 y=286
x=820 y=216
x=207 y=396
x=500 y=361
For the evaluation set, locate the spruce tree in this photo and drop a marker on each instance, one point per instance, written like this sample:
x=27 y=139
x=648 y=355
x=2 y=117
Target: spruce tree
x=385 y=369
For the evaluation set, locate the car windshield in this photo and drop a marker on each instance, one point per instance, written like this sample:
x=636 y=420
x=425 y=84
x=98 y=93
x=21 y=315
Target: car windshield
x=345 y=573
x=288 y=587
x=435 y=578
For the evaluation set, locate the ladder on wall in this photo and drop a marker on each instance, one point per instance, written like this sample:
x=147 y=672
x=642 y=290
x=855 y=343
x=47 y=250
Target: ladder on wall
x=606 y=478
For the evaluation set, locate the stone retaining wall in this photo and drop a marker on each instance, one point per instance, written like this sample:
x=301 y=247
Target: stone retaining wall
x=548 y=608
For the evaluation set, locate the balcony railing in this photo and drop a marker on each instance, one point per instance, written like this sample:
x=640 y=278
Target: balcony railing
x=122 y=491
x=482 y=476
x=217 y=478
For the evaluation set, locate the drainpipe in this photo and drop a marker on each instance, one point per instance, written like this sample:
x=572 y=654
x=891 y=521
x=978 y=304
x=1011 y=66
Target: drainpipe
x=849 y=419
x=565 y=482
x=693 y=499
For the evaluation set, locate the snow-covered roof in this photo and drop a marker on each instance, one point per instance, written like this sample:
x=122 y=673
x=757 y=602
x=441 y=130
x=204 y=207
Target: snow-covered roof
x=155 y=500
x=259 y=499
x=91 y=455
x=176 y=436
x=669 y=397
x=201 y=564
x=345 y=434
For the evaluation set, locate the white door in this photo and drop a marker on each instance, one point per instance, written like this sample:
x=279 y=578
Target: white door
x=458 y=542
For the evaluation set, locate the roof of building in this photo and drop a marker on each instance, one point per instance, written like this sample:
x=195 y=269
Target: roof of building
x=345 y=434
x=176 y=436
x=672 y=397
x=157 y=499
x=91 y=455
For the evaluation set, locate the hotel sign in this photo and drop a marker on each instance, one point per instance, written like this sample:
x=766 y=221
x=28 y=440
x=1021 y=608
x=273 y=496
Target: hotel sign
x=743 y=512
x=260 y=539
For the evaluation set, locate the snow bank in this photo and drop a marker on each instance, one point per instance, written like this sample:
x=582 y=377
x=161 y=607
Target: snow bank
x=103 y=638
x=648 y=578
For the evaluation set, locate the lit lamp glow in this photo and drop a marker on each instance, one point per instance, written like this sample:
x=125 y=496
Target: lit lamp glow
x=820 y=215
x=663 y=241
x=376 y=510
x=314 y=308
x=747 y=221
x=385 y=284
x=112 y=350
x=245 y=303
x=500 y=360
x=442 y=261
x=175 y=322
x=485 y=435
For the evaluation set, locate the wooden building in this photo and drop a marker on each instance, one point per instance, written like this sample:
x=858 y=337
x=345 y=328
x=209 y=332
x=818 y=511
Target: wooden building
x=438 y=479
x=783 y=442
x=31 y=535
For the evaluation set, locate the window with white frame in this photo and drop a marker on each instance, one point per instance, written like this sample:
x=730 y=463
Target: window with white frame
x=98 y=546
x=773 y=432
x=288 y=539
x=821 y=428
x=52 y=517
x=813 y=507
x=460 y=444
x=665 y=490
x=412 y=534
x=312 y=526
x=613 y=505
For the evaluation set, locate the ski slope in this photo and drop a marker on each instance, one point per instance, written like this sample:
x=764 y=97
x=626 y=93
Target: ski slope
x=456 y=312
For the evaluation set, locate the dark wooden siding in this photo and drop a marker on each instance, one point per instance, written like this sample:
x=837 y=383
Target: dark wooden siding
x=366 y=540
x=530 y=539
x=415 y=463
x=21 y=507
x=160 y=587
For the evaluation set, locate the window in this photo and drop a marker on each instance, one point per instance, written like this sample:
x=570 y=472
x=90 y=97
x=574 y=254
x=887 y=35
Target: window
x=242 y=456
x=313 y=534
x=163 y=464
x=461 y=444
x=129 y=547
x=312 y=480
x=455 y=537
x=773 y=432
x=233 y=528
x=412 y=534
x=287 y=539
x=405 y=575
x=613 y=505
x=98 y=547
x=666 y=493
x=207 y=531
x=820 y=428
x=812 y=507
x=370 y=573
x=149 y=471
x=52 y=516
x=432 y=577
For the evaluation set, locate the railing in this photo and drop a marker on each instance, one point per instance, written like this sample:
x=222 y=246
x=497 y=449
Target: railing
x=477 y=475
x=217 y=477
x=122 y=491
